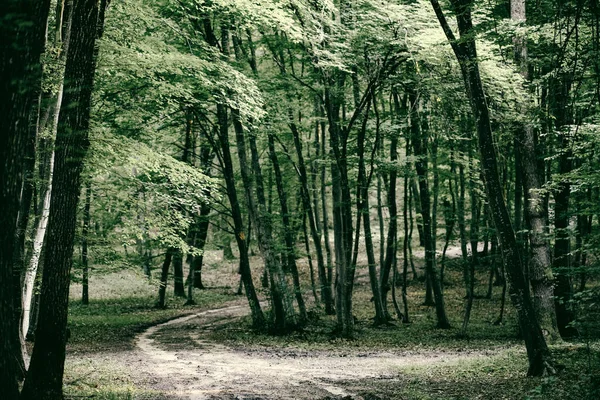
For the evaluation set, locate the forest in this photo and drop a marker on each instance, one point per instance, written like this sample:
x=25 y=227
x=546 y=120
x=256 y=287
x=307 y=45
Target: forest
x=299 y=199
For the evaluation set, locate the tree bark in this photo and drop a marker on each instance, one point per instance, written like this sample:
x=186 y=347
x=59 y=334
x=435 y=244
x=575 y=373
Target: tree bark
x=85 y=297
x=363 y=209
x=465 y=51
x=44 y=379
x=22 y=40
x=178 y=286
x=164 y=278
x=290 y=254
x=306 y=203
x=283 y=312
x=420 y=152
x=392 y=234
x=258 y=318
x=342 y=210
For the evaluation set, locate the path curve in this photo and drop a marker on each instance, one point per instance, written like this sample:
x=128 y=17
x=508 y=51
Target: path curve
x=208 y=370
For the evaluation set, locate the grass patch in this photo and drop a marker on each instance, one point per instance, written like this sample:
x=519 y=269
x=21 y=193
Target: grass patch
x=499 y=376
x=124 y=305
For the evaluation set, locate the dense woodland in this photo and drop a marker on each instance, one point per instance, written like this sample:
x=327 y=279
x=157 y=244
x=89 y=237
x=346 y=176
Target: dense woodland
x=137 y=134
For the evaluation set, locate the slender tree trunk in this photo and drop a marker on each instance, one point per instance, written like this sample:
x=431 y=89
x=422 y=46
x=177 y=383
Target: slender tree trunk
x=46 y=164
x=283 y=313
x=306 y=203
x=420 y=152
x=324 y=207
x=460 y=216
x=363 y=209
x=290 y=254
x=474 y=242
x=164 y=278
x=537 y=350
x=38 y=242
x=258 y=318
x=310 y=261
x=392 y=234
x=405 y=206
x=201 y=235
x=85 y=298
x=342 y=211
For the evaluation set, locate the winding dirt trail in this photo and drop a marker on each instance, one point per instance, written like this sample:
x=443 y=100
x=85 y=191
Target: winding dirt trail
x=191 y=367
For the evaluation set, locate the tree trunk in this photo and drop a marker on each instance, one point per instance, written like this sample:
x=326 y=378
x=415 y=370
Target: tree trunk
x=405 y=206
x=38 y=242
x=290 y=254
x=178 y=286
x=466 y=54
x=258 y=318
x=325 y=212
x=21 y=46
x=304 y=194
x=420 y=152
x=536 y=212
x=283 y=313
x=44 y=379
x=201 y=234
x=85 y=298
x=342 y=211
x=164 y=278
x=363 y=209
x=392 y=234
x=200 y=242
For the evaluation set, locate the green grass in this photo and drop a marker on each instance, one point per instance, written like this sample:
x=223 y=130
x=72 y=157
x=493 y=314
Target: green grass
x=122 y=305
x=111 y=324
x=499 y=376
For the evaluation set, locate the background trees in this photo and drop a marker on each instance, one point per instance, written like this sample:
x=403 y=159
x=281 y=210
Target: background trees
x=319 y=122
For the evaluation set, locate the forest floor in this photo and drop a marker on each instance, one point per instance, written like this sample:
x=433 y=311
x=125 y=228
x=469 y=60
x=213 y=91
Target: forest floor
x=183 y=355
x=122 y=348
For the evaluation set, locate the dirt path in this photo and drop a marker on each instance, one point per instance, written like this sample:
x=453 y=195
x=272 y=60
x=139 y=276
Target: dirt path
x=186 y=365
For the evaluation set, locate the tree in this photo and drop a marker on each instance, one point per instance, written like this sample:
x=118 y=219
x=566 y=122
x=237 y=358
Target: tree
x=540 y=361
x=44 y=378
x=22 y=28
x=536 y=213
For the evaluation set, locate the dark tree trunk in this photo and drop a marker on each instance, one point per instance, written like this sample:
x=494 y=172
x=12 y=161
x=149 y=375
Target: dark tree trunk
x=290 y=254
x=342 y=211
x=392 y=234
x=449 y=217
x=474 y=242
x=201 y=230
x=306 y=203
x=44 y=379
x=405 y=206
x=363 y=210
x=164 y=278
x=559 y=90
x=283 y=312
x=241 y=236
x=178 y=286
x=21 y=44
x=258 y=318
x=85 y=297
x=310 y=261
x=465 y=50
x=420 y=152
x=201 y=235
